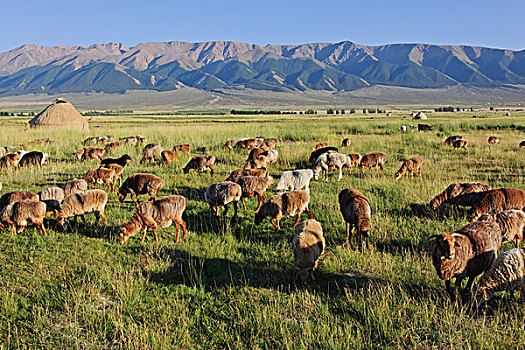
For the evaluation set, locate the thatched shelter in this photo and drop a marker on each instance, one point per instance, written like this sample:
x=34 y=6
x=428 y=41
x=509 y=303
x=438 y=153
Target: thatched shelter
x=61 y=114
x=421 y=116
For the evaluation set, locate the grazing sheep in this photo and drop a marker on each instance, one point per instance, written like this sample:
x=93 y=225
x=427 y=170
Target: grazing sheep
x=259 y=141
x=12 y=197
x=511 y=223
x=254 y=185
x=292 y=180
x=263 y=160
x=269 y=145
x=494 y=201
x=185 y=149
x=467 y=252
x=254 y=153
x=52 y=207
x=286 y=204
x=42 y=142
x=246 y=143
x=33 y=158
x=90 y=140
x=457 y=189
x=101 y=176
x=460 y=144
x=130 y=140
x=373 y=160
x=74 y=186
x=200 y=163
x=220 y=194
x=151 y=154
x=236 y=174
x=493 y=140
x=307 y=246
x=91 y=153
x=522 y=143
x=321 y=145
x=424 y=127
x=355 y=158
x=410 y=166
x=138 y=184
x=506 y=273
x=329 y=160
x=113 y=146
x=22 y=213
x=169 y=157
x=78 y=204
x=151 y=145
x=10 y=160
x=315 y=154
x=450 y=140
x=80 y=153
x=346 y=143
x=155 y=214
x=355 y=208
x=230 y=144
x=122 y=161
x=119 y=170
x=52 y=193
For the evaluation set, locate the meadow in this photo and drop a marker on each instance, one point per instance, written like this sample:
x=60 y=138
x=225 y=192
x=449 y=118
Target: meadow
x=231 y=284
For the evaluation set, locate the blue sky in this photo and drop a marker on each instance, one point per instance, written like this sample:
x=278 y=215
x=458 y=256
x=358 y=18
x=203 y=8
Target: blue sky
x=484 y=23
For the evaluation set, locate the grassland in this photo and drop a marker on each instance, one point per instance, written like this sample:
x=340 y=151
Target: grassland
x=232 y=284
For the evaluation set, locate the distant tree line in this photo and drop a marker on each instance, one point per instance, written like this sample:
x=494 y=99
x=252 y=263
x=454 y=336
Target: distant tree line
x=13 y=114
x=108 y=113
x=454 y=109
x=237 y=112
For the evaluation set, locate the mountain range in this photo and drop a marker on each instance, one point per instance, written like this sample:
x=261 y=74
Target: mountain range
x=216 y=65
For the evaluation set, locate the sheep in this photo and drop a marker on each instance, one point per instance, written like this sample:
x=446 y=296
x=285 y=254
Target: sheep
x=286 y=204
x=308 y=244
x=80 y=153
x=493 y=140
x=506 y=273
x=119 y=170
x=200 y=163
x=234 y=175
x=449 y=140
x=113 y=146
x=467 y=252
x=263 y=160
x=522 y=144
x=329 y=160
x=155 y=214
x=346 y=143
x=259 y=141
x=355 y=208
x=33 y=158
x=89 y=153
x=74 y=186
x=511 y=223
x=151 y=145
x=230 y=144
x=151 y=154
x=460 y=144
x=494 y=201
x=185 y=149
x=372 y=160
x=321 y=145
x=254 y=153
x=90 y=140
x=138 y=184
x=42 y=142
x=9 y=198
x=355 y=158
x=294 y=180
x=455 y=190
x=79 y=204
x=424 y=127
x=169 y=157
x=122 y=160
x=52 y=193
x=315 y=154
x=10 y=160
x=254 y=185
x=101 y=176
x=410 y=166
x=220 y=194
x=269 y=145
x=22 y=213
x=246 y=144
x=130 y=140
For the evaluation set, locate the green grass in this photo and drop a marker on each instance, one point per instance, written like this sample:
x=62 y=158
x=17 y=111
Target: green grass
x=232 y=284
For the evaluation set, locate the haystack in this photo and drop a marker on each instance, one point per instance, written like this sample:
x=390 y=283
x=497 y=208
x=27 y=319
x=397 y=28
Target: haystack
x=421 y=115
x=61 y=114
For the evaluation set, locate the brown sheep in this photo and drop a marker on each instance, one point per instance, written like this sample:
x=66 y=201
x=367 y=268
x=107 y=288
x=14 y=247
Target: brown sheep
x=460 y=144
x=79 y=204
x=493 y=140
x=254 y=185
x=467 y=252
x=346 y=143
x=42 y=142
x=236 y=174
x=155 y=214
x=138 y=184
x=254 y=153
x=372 y=160
x=320 y=145
x=113 y=146
x=169 y=157
x=101 y=176
x=80 y=153
x=246 y=144
x=307 y=246
x=355 y=158
x=10 y=160
x=455 y=190
x=315 y=154
x=12 y=197
x=230 y=144
x=200 y=163
x=494 y=201
x=220 y=194
x=410 y=166
x=22 y=213
x=355 y=208
x=185 y=149
x=511 y=223
x=286 y=204
x=450 y=140
x=151 y=154
x=74 y=186
x=119 y=170
x=269 y=145
x=92 y=153
x=90 y=140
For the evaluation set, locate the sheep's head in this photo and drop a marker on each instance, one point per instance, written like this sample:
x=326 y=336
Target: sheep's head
x=186 y=169
x=474 y=213
x=79 y=154
x=121 y=195
x=445 y=248
x=434 y=204
x=305 y=274
x=123 y=235
x=317 y=170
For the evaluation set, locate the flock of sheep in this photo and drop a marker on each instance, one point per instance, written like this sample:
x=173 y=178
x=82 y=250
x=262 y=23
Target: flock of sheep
x=470 y=251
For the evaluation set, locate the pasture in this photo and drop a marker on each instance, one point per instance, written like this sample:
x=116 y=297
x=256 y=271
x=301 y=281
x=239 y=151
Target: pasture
x=232 y=284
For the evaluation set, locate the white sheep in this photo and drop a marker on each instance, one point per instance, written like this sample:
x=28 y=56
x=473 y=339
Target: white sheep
x=52 y=193
x=329 y=160
x=78 y=204
x=295 y=180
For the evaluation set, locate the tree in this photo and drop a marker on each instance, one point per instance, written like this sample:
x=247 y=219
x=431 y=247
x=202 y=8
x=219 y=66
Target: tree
x=364 y=110
x=342 y=111
x=491 y=108
x=329 y=111
x=352 y=111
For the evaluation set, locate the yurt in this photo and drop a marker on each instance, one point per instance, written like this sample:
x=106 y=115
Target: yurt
x=60 y=114
x=421 y=115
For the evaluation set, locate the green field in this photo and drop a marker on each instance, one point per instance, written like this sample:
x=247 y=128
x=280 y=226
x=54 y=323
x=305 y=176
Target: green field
x=232 y=284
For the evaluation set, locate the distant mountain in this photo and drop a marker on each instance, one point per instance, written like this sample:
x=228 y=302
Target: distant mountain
x=216 y=65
